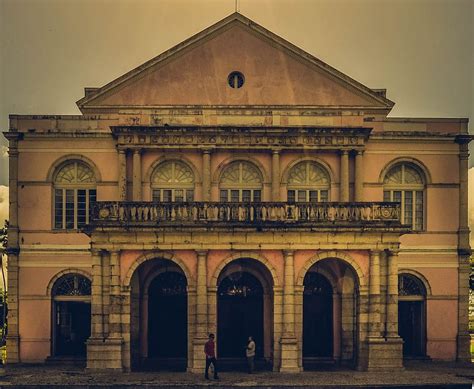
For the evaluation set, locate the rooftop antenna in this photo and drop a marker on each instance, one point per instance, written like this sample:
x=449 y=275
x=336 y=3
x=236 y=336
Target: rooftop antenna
x=237 y=6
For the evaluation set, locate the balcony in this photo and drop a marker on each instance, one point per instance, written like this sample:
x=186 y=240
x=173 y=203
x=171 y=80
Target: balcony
x=261 y=215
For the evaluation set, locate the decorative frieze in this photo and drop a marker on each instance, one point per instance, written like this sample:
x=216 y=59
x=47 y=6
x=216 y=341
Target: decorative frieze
x=318 y=138
x=274 y=214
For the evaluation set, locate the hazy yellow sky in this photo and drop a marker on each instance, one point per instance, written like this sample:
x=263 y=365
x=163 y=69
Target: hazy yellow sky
x=420 y=50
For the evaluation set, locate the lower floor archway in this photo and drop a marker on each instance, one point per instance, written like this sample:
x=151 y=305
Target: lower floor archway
x=159 y=317
x=329 y=305
x=244 y=308
x=71 y=315
x=412 y=315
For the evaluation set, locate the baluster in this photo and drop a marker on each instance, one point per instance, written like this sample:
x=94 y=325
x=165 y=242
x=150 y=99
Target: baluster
x=121 y=213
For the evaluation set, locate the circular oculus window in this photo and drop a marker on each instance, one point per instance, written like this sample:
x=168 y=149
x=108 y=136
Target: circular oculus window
x=235 y=80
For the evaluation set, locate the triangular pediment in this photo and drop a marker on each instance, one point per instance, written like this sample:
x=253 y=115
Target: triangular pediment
x=195 y=73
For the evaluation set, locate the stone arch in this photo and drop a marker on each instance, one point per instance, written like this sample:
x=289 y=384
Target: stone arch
x=242 y=255
x=291 y=165
x=158 y=255
x=420 y=276
x=236 y=158
x=172 y=157
x=423 y=169
x=58 y=164
x=152 y=275
x=347 y=259
x=57 y=276
x=329 y=276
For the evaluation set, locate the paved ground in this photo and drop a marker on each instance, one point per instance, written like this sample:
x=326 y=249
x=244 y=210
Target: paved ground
x=440 y=375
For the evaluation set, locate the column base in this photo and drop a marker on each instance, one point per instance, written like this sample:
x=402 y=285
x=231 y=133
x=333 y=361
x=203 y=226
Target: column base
x=13 y=347
x=463 y=343
x=198 y=363
x=384 y=354
x=104 y=354
x=289 y=355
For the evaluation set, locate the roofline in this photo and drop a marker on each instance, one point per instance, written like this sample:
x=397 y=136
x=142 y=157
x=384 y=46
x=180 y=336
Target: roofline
x=252 y=25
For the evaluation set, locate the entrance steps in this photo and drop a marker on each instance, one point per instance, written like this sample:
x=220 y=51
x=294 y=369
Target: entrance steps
x=66 y=361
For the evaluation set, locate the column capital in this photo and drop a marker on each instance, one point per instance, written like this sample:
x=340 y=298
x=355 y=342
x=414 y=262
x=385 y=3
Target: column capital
x=276 y=150
x=121 y=151
x=206 y=150
x=288 y=253
x=359 y=152
x=343 y=152
x=137 y=150
x=201 y=253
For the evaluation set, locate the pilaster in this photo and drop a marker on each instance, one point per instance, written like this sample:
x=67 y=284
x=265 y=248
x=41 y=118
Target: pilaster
x=206 y=175
x=122 y=178
x=344 y=171
x=359 y=176
x=201 y=332
x=275 y=175
x=137 y=175
x=288 y=341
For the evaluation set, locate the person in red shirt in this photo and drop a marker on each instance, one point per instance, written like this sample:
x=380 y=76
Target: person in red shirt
x=210 y=351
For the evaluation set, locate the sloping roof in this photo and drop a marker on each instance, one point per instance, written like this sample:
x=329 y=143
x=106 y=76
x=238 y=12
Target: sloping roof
x=97 y=97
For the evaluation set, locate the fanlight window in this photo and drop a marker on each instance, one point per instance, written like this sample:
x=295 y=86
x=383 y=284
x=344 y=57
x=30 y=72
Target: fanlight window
x=308 y=181
x=72 y=285
x=240 y=284
x=172 y=181
x=74 y=192
x=405 y=184
x=409 y=285
x=241 y=181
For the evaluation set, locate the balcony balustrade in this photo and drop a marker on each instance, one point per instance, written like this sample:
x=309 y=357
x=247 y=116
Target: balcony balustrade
x=255 y=214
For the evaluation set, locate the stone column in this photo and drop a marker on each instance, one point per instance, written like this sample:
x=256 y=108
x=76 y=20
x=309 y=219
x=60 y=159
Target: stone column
x=359 y=176
x=374 y=294
x=289 y=344
x=275 y=175
x=122 y=177
x=464 y=253
x=344 y=181
x=206 y=175
x=382 y=354
x=137 y=175
x=392 y=294
x=95 y=351
x=201 y=334
x=13 y=249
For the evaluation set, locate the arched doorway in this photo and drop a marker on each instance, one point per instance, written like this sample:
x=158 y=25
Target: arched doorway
x=412 y=315
x=71 y=314
x=244 y=308
x=167 y=316
x=317 y=317
x=159 y=317
x=329 y=303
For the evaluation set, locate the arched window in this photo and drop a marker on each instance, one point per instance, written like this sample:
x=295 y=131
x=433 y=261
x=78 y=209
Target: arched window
x=74 y=192
x=72 y=285
x=308 y=181
x=241 y=181
x=404 y=183
x=172 y=181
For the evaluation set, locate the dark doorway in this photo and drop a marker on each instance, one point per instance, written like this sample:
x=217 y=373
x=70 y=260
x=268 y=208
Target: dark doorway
x=71 y=316
x=317 y=318
x=72 y=329
x=239 y=314
x=168 y=321
x=412 y=315
x=411 y=328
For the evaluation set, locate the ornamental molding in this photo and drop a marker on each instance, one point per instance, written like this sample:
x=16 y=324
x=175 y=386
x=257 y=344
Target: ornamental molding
x=232 y=137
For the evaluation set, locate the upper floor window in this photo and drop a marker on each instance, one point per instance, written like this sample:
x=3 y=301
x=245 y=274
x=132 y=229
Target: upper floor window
x=241 y=181
x=308 y=181
x=74 y=192
x=404 y=183
x=172 y=181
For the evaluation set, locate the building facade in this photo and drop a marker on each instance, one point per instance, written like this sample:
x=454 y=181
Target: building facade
x=237 y=185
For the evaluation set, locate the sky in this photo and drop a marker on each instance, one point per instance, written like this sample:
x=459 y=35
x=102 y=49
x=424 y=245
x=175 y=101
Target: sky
x=421 y=51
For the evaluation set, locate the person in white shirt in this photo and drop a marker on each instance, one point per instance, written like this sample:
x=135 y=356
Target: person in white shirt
x=250 y=353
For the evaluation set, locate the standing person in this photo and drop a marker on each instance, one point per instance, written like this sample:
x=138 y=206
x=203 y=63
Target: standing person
x=210 y=351
x=250 y=353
